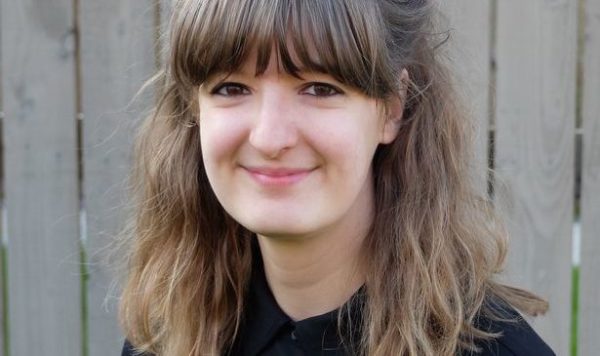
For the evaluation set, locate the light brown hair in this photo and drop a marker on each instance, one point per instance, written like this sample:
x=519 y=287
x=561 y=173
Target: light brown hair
x=436 y=243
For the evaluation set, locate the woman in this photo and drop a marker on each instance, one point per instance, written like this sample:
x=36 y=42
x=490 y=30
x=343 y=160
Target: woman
x=304 y=189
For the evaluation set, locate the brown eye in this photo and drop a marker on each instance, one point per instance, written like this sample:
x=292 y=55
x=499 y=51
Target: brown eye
x=321 y=90
x=230 y=89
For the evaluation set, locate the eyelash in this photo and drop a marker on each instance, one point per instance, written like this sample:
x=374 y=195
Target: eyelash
x=332 y=89
x=228 y=85
x=307 y=89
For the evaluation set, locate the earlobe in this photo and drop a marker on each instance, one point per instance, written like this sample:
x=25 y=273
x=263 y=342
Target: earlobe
x=395 y=111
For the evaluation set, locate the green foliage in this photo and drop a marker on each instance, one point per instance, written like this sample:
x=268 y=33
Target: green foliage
x=574 y=308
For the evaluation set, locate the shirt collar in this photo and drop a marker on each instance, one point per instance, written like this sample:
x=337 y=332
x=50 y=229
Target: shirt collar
x=263 y=319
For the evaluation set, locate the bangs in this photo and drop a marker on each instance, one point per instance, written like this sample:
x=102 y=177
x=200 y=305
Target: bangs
x=339 y=38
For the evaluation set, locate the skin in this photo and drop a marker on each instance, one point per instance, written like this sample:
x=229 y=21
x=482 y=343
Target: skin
x=290 y=159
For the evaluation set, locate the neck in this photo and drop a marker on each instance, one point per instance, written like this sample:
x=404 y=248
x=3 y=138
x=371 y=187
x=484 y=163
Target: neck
x=314 y=275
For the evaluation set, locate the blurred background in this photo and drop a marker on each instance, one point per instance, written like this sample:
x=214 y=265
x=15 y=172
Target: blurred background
x=69 y=74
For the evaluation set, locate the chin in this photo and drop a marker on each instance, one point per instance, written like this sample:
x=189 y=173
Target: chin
x=277 y=228
x=277 y=232
x=272 y=218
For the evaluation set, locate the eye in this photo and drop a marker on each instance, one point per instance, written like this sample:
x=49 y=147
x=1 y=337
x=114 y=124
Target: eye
x=230 y=89
x=321 y=90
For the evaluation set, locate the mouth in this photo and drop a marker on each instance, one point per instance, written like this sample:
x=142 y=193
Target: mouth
x=277 y=176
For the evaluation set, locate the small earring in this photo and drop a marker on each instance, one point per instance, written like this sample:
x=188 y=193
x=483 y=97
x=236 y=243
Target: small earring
x=189 y=123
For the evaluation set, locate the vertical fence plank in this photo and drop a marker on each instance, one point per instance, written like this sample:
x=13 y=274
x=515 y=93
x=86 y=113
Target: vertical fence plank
x=41 y=177
x=2 y=237
x=589 y=308
x=165 y=12
x=470 y=32
x=536 y=52
x=117 y=56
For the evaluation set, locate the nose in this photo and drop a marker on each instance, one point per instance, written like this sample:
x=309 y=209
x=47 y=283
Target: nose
x=274 y=130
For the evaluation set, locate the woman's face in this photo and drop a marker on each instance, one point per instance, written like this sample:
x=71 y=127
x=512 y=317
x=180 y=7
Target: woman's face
x=289 y=157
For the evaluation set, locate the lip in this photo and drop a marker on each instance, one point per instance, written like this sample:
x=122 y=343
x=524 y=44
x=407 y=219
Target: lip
x=277 y=176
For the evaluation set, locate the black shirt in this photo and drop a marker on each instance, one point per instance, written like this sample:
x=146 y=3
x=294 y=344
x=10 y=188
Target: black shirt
x=268 y=331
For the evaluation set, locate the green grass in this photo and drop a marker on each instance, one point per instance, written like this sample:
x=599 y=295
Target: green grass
x=574 y=309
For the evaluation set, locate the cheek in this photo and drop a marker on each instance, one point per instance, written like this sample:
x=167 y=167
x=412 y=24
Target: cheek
x=220 y=137
x=350 y=139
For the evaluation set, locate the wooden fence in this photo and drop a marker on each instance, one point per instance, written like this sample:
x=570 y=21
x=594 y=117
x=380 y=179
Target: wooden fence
x=70 y=68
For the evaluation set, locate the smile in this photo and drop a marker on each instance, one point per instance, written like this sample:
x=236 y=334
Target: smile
x=277 y=176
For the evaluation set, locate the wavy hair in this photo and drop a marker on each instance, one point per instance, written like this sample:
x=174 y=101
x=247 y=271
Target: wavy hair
x=436 y=243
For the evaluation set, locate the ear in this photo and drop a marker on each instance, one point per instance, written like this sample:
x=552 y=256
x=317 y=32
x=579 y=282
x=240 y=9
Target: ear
x=395 y=110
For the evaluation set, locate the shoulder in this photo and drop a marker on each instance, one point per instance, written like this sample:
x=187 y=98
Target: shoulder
x=517 y=337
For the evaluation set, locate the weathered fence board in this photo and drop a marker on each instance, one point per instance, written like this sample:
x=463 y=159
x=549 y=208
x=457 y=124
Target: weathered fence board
x=2 y=247
x=44 y=290
x=470 y=33
x=117 y=56
x=536 y=52
x=589 y=307
x=165 y=10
